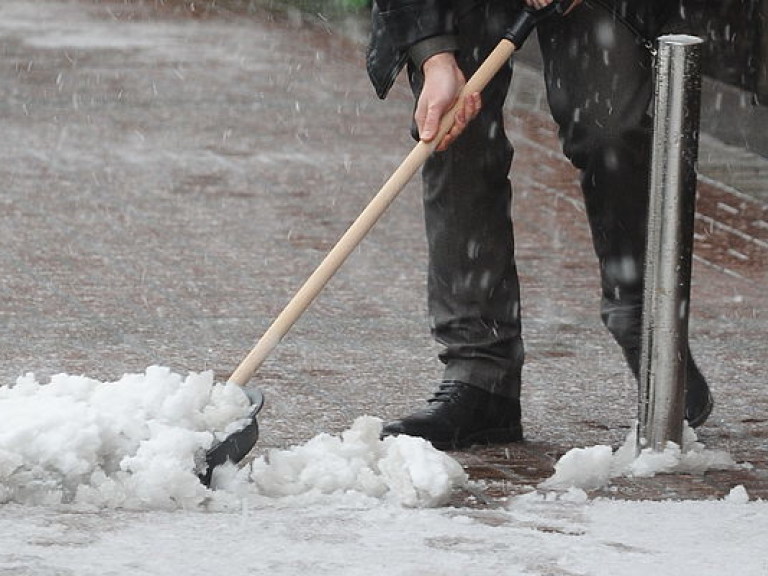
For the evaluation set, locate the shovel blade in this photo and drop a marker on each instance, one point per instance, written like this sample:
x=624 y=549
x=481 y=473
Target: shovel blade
x=237 y=445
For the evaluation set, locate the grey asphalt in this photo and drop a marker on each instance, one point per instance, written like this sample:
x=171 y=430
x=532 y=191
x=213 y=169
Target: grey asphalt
x=169 y=178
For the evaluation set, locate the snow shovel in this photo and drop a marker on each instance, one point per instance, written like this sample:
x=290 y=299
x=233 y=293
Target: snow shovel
x=238 y=444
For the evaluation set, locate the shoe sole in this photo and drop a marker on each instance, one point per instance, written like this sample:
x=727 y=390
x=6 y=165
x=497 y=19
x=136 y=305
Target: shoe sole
x=702 y=417
x=483 y=438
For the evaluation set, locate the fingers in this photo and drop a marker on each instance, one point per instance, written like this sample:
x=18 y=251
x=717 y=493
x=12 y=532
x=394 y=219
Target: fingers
x=443 y=85
x=428 y=121
x=464 y=115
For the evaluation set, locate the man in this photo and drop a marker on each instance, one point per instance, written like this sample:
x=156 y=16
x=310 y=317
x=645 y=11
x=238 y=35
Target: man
x=598 y=72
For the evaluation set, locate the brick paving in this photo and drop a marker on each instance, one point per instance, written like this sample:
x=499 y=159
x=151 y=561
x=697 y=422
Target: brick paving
x=170 y=178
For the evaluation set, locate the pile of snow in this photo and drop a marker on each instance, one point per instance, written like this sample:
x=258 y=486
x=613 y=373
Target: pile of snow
x=592 y=468
x=403 y=469
x=133 y=443
x=140 y=442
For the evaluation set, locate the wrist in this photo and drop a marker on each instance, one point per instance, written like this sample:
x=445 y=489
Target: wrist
x=439 y=60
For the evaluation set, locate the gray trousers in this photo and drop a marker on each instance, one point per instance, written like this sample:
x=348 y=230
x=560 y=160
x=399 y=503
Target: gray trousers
x=599 y=86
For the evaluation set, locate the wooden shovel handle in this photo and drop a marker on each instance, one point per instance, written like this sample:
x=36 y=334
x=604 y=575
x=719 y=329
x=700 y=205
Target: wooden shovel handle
x=363 y=224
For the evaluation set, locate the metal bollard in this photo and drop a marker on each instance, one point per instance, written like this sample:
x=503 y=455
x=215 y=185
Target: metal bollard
x=670 y=242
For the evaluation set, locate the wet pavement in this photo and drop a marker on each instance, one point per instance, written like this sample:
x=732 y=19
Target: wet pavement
x=170 y=177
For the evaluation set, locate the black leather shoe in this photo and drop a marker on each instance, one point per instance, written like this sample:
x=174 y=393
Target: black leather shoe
x=459 y=416
x=698 y=398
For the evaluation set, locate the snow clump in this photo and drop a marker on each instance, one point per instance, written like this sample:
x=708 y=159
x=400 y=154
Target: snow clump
x=403 y=469
x=134 y=443
x=140 y=442
x=592 y=468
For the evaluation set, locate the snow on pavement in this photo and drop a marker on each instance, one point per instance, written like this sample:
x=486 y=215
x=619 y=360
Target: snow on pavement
x=99 y=478
x=352 y=534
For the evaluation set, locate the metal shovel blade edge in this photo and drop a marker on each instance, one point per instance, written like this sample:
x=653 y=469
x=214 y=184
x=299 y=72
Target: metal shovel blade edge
x=237 y=445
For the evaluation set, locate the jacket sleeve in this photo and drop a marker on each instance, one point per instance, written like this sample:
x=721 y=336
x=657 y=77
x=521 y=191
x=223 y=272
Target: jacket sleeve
x=411 y=21
x=403 y=29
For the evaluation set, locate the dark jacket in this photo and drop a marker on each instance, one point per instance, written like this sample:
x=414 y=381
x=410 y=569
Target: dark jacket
x=403 y=29
x=416 y=29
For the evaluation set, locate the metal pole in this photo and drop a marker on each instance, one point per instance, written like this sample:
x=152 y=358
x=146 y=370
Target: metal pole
x=762 y=57
x=664 y=344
